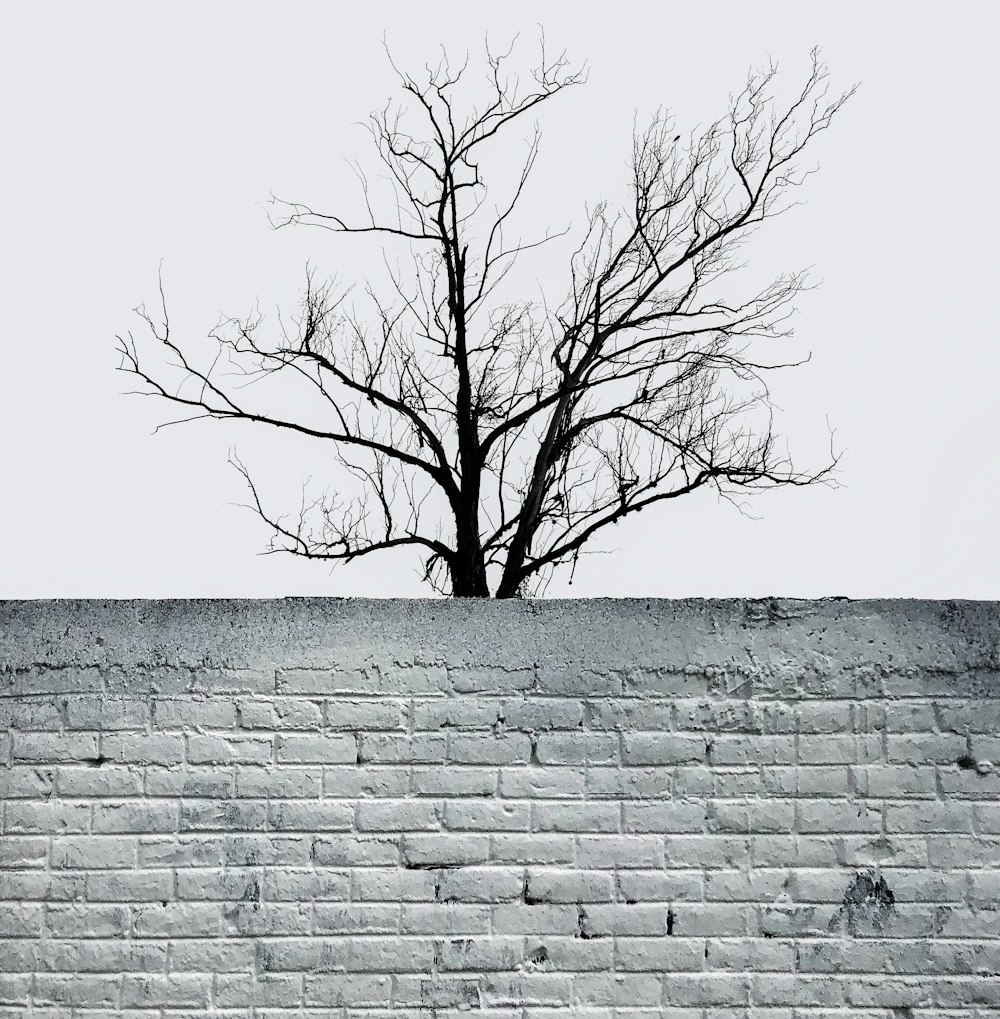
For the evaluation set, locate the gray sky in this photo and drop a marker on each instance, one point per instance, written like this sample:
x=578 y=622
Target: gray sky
x=140 y=132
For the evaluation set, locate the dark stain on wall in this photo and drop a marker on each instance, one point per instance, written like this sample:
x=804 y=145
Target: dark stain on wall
x=868 y=906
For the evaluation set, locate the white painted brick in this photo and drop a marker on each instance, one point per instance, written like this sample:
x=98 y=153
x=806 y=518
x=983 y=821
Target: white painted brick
x=213 y=780
x=130 y=886
x=649 y=823
x=350 y=781
x=569 y=886
x=480 y=884
x=663 y=748
x=190 y=713
x=422 y=748
x=455 y=781
x=487 y=816
x=136 y=817
x=309 y=815
x=290 y=782
x=160 y=748
x=46 y=747
x=397 y=815
x=103 y=713
x=30 y=817
x=537 y=848
x=486 y=748
x=576 y=817
x=369 y=715
x=542 y=783
x=309 y=749
x=105 y=780
x=283 y=714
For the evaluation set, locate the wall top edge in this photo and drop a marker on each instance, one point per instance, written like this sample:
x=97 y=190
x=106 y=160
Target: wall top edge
x=270 y=635
x=533 y=602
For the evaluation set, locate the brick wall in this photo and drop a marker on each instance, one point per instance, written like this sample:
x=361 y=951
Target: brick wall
x=623 y=809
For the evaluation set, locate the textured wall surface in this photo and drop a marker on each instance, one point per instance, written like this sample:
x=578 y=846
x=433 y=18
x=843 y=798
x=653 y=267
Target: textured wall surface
x=623 y=809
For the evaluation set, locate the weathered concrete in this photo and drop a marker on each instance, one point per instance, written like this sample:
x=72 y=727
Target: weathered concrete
x=616 y=808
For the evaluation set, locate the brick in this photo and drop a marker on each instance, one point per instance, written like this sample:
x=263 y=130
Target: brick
x=105 y=780
x=477 y=955
x=617 y=989
x=282 y=714
x=389 y=884
x=578 y=748
x=628 y=713
x=487 y=816
x=20 y=920
x=577 y=682
x=633 y=783
x=189 y=713
x=309 y=749
x=363 y=715
x=838 y=816
x=45 y=747
x=311 y=884
x=130 y=886
x=402 y=815
x=349 y=781
x=820 y=749
x=444 y=850
x=535 y=848
x=678 y=816
x=355 y=919
x=160 y=748
x=266 y=990
x=739 y=750
x=385 y=748
x=455 y=781
x=267 y=850
x=64 y=920
x=29 y=817
x=205 y=781
x=480 y=884
x=357 y=851
x=545 y=918
x=458 y=713
x=136 y=817
x=563 y=886
x=749 y=816
x=222 y=815
x=181 y=850
x=32 y=713
x=290 y=782
x=27 y=782
x=106 y=714
x=339 y=990
x=576 y=817
x=663 y=748
x=148 y=990
x=624 y=851
x=659 y=886
x=510 y=748
x=177 y=920
x=309 y=815
x=212 y=749
x=93 y=852
x=90 y=991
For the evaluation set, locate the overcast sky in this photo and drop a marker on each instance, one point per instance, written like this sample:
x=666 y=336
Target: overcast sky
x=141 y=132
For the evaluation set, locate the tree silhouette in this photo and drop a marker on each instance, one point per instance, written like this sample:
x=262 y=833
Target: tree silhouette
x=529 y=428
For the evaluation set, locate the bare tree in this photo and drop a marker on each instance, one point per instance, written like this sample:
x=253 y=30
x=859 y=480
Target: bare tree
x=530 y=428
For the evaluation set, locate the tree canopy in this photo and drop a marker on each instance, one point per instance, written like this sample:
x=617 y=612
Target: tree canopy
x=500 y=437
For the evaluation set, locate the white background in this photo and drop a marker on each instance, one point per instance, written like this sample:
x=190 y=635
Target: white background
x=139 y=132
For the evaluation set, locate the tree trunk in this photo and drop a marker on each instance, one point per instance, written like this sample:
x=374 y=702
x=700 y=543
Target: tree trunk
x=468 y=572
